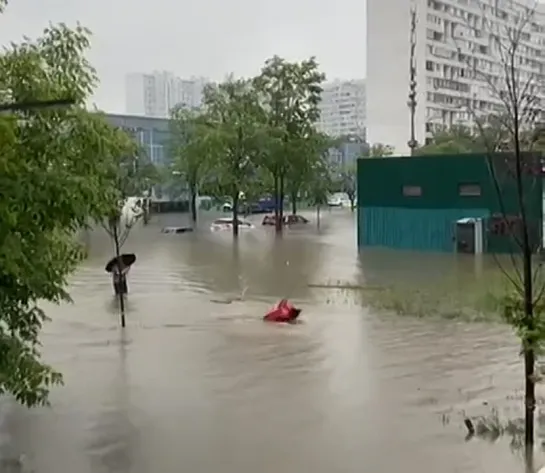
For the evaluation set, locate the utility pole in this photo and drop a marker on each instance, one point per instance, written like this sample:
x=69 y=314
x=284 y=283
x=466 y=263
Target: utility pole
x=412 y=80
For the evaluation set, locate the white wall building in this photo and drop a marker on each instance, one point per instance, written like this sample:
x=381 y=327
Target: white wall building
x=155 y=94
x=453 y=50
x=343 y=108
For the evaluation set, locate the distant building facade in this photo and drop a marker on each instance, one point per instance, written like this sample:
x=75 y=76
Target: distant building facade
x=343 y=108
x=153 y=134
x=347 y=151
x=155 y=94
x=456 y=58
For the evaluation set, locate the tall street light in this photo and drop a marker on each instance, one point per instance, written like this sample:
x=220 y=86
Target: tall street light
x=412 y=81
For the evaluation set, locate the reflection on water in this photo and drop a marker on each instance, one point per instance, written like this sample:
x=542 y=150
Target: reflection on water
x=197 y=385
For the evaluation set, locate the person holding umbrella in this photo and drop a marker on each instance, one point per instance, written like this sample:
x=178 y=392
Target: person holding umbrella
x=118 y=267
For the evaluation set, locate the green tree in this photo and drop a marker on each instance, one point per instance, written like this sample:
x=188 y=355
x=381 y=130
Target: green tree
x=236 y=135
x=455 y=140
x=347 y=181
x=307 y=154
x=290 y=93
x=319 y=185
x=189 y=131
x=522 y=308
x=513 y=130
x=379 y=150
x=149 y=177
x=133 y=176
x=490 y=135
x=171 y=183
x=55 y=174
x=128 y=179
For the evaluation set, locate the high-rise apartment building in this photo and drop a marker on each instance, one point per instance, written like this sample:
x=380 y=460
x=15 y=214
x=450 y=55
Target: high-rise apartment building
x=155 y=94
x=453 y=52
x=343 y=108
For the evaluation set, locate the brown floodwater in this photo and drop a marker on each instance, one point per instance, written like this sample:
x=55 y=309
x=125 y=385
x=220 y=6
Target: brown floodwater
x=198 y=383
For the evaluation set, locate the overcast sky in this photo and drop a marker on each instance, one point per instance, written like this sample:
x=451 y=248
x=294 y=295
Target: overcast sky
x=205 y=37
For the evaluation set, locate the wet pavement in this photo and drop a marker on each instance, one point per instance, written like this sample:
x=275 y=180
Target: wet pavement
x=198 y=383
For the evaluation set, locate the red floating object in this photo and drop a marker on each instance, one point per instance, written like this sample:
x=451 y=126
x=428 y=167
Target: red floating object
x=283 y=312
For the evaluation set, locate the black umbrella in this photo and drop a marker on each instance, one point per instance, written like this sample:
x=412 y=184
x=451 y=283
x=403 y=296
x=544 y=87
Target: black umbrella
x=125 y=261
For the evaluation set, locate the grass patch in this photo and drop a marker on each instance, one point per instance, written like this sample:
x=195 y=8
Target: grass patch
x=477 y=301
x=467 y=289
x=454 y=296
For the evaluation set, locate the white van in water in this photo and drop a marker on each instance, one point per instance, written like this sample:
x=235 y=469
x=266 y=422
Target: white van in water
x=338 y=199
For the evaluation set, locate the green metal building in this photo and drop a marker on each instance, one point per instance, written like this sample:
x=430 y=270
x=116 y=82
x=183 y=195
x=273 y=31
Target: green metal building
x=446 y=203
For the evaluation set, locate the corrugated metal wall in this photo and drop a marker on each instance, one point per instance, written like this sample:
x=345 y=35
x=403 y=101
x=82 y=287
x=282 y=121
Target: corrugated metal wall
x=411 y=229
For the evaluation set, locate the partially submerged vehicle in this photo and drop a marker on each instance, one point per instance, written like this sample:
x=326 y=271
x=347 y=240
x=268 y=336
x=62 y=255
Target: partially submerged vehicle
x=338 y=199
x=176 y=230
x=286 y=220
x=226 y=223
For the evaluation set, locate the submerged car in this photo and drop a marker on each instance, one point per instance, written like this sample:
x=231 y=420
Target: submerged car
x=226 y=223
x=287 y=220
x=176 y=230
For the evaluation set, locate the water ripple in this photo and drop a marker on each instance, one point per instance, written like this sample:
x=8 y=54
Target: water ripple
x=197 y=381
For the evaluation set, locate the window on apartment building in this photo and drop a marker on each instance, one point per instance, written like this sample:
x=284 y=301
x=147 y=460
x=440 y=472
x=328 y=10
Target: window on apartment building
x=469 y=190
x=412 y=191
x=429 y=65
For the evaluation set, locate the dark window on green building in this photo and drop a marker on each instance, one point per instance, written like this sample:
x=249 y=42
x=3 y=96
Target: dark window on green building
x=469 y=190
x=412 y=191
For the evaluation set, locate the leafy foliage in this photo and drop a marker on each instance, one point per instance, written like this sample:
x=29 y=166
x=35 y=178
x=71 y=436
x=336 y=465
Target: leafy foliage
x=55 y=174
x=255 y=136
x=320 y=183
x=236 y=122
x=308 y=156
x=531 y=334
x=347 y=181
x=488 y=136
x=134 y=175
x=191 y=149
x=455 y=140
x=290 y=94
x=379 y=150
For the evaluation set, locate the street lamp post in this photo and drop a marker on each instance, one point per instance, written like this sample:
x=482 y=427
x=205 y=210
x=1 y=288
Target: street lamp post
x=412 y=81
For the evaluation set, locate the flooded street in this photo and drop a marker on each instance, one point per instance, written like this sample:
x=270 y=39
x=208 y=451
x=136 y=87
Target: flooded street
x=198 y=383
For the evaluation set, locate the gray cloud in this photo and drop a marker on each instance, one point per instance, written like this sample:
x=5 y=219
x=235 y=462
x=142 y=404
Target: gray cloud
x=209 y=37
